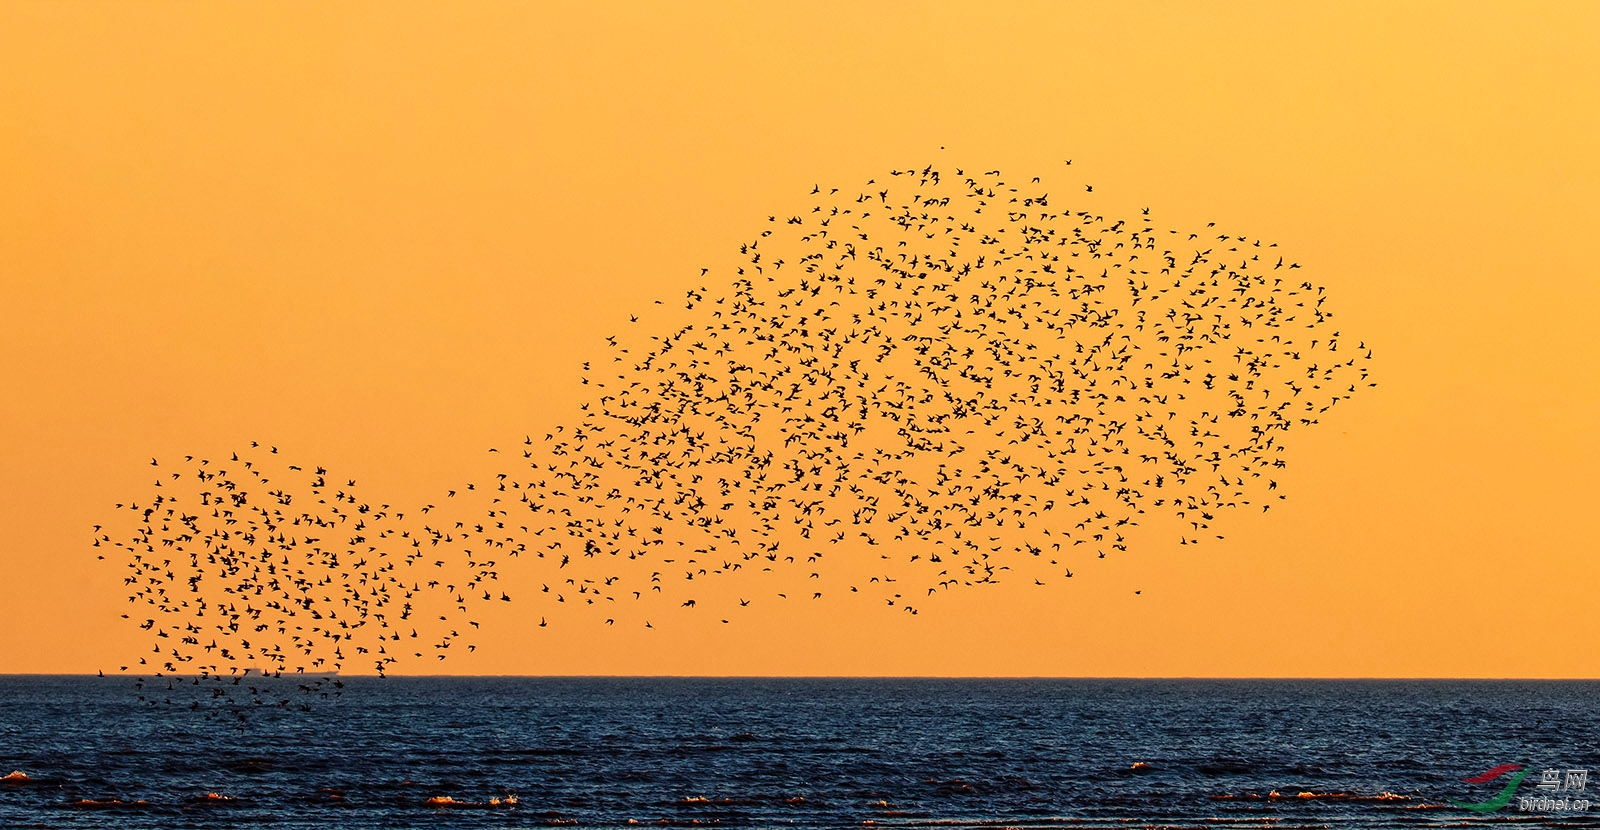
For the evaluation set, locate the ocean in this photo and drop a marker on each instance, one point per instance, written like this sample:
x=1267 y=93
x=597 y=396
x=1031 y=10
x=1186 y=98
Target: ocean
x=503 y=752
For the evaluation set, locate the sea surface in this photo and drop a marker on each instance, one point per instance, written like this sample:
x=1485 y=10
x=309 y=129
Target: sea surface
x=612 y=752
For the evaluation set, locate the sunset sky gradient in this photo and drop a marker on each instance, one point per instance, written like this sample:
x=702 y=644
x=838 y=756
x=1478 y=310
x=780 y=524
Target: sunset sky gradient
x=385 y=236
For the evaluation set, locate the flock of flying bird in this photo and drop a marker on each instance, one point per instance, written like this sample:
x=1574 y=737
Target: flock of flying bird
x=933 y=382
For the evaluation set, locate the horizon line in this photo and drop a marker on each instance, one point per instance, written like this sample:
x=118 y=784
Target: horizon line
x=253 y=672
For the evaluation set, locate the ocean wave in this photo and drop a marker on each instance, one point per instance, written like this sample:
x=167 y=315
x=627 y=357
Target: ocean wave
x=452 y=801
x=1311 y=795
x=109 y=804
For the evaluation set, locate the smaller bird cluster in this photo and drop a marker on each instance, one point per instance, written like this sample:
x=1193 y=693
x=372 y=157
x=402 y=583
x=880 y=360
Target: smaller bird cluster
x=254 y=565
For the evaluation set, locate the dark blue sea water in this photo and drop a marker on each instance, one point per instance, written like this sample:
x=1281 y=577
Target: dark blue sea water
x=609 y=752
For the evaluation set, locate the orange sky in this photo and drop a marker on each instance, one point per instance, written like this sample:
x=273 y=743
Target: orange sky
x=385 y=236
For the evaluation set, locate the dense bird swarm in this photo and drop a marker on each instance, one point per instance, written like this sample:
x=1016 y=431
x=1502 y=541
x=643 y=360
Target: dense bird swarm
x=934 y=382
